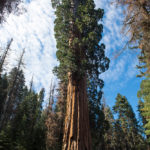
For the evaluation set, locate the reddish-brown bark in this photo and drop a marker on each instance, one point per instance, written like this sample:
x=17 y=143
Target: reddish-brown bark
x=76 y=130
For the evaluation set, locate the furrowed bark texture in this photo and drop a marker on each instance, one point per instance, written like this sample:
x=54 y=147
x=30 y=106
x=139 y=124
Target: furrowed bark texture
x=77 y=131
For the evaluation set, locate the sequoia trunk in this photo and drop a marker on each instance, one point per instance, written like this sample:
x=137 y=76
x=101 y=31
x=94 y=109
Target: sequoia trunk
x=76 y=131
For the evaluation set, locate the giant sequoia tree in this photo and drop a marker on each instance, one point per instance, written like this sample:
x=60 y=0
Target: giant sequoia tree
x=82 y=60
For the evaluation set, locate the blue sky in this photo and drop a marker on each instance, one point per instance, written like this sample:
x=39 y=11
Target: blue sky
x=34 y=31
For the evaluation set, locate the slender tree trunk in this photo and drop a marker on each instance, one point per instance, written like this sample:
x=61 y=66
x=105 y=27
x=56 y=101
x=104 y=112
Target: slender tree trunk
x=3 y=59
x=7 y=108
x=76 y=131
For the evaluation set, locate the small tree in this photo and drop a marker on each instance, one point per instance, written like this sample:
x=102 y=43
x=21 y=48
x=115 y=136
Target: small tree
x=16 y=81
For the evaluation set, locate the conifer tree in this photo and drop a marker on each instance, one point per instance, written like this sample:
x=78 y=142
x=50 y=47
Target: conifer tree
x=144 y=94
x=98 y=123
x=16 y=95
x=6 y=143
x=142 y=119
x=22 y=119
x=11 y=95
x=81 y=57
x=119 y=136
x=109 y=135
x=28 y=129
x=131 y=137
x=3 y=91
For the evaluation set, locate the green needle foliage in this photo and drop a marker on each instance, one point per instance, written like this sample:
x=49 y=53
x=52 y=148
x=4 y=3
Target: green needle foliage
x=130 y=133
x=86 y=54
x=144 y=94
x=110 y=139
x=24 y=127
x=3 y=91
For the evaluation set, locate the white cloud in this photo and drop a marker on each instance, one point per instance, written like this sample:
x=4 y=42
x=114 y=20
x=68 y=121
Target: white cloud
x=33 y=30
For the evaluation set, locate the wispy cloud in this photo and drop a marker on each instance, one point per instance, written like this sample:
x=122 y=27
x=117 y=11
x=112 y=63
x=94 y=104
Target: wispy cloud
x=33 y=30
x=122 y=68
